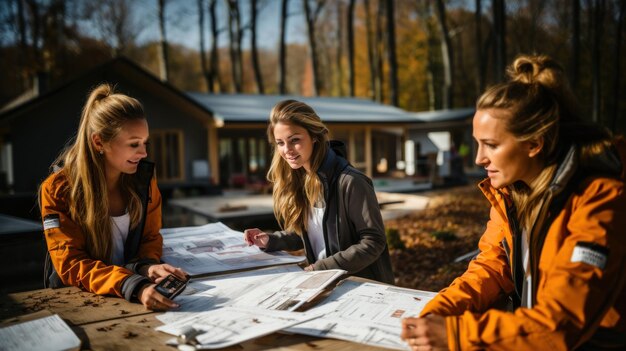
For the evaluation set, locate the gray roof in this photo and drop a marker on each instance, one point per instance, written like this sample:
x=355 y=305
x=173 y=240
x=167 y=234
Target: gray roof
x=256 y=108
x=444 y=115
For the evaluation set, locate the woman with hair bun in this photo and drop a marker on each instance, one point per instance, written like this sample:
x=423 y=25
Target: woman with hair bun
x=554 y=247
x=323 y=204
x=101 y=207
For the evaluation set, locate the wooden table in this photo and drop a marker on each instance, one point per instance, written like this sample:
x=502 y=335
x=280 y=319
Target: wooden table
x=109 y=323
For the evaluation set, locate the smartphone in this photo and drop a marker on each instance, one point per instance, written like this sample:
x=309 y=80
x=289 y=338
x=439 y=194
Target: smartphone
x=171 y=286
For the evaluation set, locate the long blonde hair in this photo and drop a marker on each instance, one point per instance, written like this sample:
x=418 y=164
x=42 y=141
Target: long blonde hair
x=541 y=105
x=296 y=190
x=104 y=114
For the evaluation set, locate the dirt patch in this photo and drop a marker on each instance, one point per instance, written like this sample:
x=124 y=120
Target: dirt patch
x=449 y=227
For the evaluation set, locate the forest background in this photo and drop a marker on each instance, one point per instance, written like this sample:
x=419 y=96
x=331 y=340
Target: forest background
x=415 y=54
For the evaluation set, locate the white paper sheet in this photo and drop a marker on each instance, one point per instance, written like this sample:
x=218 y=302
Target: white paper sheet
x=45 y=334
x=277 y=288
x=232 y=325
x=214 y=248
x=366 y=313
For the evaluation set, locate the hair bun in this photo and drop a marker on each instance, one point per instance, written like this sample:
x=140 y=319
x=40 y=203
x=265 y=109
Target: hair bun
x=537 y=69
x=102 y=91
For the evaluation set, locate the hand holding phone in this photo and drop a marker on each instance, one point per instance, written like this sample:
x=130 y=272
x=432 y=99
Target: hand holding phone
x=171 y=286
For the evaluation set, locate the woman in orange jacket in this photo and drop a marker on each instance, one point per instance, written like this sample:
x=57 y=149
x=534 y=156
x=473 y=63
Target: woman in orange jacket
x=554 y=244
x=101 y=207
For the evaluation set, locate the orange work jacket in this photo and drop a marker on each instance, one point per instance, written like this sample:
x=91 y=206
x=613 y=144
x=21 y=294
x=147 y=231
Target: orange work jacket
x=66 y=244
x=575 y=302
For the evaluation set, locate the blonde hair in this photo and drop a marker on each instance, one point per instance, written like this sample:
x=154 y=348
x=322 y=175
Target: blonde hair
x=105 y=114
x=296 y=190
x=539 y=104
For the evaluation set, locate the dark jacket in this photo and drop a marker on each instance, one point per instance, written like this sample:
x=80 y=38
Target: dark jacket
x=354 y=232
x=66 y=241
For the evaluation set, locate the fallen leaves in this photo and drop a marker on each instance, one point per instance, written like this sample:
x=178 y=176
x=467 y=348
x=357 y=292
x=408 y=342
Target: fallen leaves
x=448 y=228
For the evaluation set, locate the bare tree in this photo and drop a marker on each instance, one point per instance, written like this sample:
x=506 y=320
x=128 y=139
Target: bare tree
x=447 y=56
x=208 y=77
x=339 y=54
x=371 y=49
x=163 y=49
x=575 y=69
x=234 y=29
x=215 y=58
x=114 y=20
x=391 y=52
x=379 y=47
x=311 y=16
x=617 y=69
x=478 y=16
x=598 y=21
x=282 y=53
x=255 y=56
x=499 y=20
x=350 y=26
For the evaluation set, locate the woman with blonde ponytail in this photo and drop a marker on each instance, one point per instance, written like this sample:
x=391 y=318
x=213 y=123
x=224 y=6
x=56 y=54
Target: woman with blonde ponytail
x=554 y=249
x=323 y=204
x=101 y=207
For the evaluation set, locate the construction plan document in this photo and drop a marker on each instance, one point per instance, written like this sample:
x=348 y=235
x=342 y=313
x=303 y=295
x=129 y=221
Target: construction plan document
x=232 y=325
x=47 y=333
x=366 y=313
x=283 y=288
x=215 y=248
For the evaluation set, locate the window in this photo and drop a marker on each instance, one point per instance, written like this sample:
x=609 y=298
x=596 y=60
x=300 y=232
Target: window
x=166 y=149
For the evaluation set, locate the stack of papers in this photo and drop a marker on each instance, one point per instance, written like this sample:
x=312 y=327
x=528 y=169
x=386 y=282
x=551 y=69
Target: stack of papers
x=224 y=310
x=215 y=248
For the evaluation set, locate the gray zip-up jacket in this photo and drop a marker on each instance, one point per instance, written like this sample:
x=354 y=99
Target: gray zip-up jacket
x=354 y=233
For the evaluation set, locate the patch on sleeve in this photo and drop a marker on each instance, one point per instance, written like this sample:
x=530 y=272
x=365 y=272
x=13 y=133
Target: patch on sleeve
x=590 y=253
x=51 y=221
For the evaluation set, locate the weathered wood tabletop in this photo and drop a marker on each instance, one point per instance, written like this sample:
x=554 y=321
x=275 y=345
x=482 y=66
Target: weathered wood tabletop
x=110 y=323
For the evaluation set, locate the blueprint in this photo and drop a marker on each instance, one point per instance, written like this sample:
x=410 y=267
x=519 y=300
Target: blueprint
x=232 y=325
x=215 y=248
x=283 y=288
x=366 y=313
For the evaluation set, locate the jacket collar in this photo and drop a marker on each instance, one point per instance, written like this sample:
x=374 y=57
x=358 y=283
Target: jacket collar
x=607 y=163
x=333 y=163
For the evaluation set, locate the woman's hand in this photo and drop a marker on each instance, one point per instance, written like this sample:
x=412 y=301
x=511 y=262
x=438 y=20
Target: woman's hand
x=428 y=333
x=154 y=301
x=256 y=237
x=157 y=272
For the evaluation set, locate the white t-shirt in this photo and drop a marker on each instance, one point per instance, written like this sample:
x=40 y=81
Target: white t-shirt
x=119 y=233
x=315 y=232
x=527 y=286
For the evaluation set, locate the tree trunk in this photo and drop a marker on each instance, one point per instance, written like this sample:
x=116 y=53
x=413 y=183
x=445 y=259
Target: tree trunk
x=391 y=52
x=282 y=55
x=163 y=51
x=499 y=20
x=215 y=58
x=350 y=26
x=23 y=52
x=339 y=56
x=208 y=78
x=480 y=60
x=255 y=55
x=447 y=57
x=379 y=52
x=617 y=70
x=311 y=18
x=234 y=26
x=575 y=69
x=371 y=50
x=598 y=19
